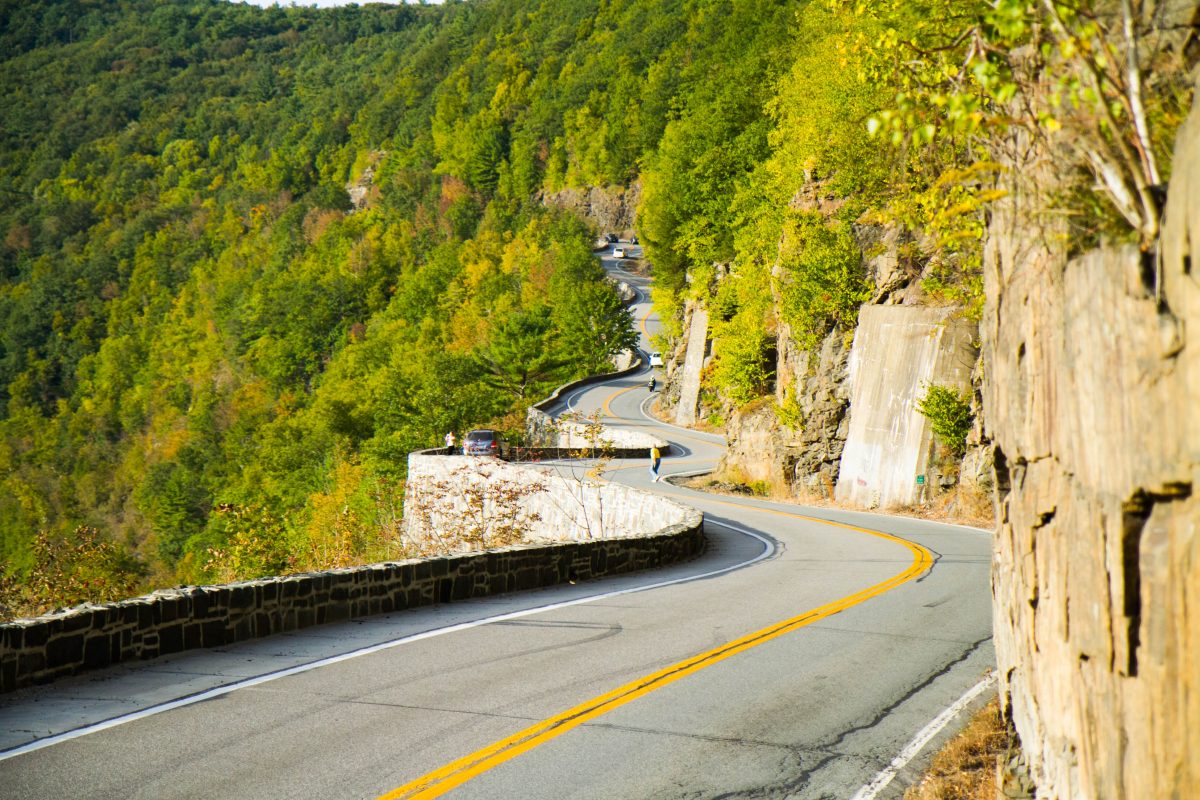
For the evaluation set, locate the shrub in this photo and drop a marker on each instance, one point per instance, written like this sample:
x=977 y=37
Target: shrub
x=949 y=413
x=82 y=566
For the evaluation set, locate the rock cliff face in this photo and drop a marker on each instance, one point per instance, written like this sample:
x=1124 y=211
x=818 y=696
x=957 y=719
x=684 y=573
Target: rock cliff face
x=795 y=441
x=805 y=455
x=1092 y=398
x=611 y=208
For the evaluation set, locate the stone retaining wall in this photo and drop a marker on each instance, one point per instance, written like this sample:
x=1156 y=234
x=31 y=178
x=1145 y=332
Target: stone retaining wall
x=169 y=621
x=542 y=429
x=468 y=502
x=566 y=434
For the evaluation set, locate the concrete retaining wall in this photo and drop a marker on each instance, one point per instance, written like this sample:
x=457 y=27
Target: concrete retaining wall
x=693 y=365
x=87 y=637
x=898 y=351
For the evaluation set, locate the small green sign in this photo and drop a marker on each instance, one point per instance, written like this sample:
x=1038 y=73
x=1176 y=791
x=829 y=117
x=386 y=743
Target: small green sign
x=920 y=480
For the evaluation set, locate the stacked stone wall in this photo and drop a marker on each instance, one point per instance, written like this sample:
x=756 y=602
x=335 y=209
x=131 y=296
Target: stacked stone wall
x=543 y=429
x=170 y=621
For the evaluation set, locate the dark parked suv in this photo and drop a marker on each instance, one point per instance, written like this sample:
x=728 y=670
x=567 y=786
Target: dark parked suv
x=484 y=442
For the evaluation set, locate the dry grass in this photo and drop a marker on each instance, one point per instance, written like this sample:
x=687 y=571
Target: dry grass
x=965 y=505
x=965 y=769
x=959 y=506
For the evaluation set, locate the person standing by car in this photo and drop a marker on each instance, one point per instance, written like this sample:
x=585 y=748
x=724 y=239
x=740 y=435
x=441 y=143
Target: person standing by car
x=450 y=443
x=655 y=460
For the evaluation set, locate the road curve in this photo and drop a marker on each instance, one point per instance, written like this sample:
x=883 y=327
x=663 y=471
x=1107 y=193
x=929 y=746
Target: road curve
x=801 y=654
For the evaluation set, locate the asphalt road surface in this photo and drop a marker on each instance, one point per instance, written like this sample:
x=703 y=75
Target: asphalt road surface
x=805 y=655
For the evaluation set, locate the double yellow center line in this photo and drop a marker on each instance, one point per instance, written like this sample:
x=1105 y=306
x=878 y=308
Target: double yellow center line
x=458 y=772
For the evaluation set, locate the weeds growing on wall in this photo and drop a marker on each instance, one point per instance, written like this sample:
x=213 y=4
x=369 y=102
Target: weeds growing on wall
x=949 y=413
x=789 y=413
x=471 y=509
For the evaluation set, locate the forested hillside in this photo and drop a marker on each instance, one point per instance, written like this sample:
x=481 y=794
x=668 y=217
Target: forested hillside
x=213 y=364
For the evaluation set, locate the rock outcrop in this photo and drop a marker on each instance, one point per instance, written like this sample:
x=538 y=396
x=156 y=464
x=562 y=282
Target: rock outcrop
x=795 y=443
x=610 y=208
x=1091 y=396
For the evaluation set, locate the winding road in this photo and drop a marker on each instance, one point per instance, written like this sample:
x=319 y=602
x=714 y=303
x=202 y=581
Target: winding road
x=808 y=653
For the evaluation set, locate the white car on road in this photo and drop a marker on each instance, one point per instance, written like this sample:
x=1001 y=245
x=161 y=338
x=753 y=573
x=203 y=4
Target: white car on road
x=619 y=252
x=656 y=359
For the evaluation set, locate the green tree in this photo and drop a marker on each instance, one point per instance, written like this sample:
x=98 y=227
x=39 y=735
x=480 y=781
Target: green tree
x=595 y=325
x=520 y=356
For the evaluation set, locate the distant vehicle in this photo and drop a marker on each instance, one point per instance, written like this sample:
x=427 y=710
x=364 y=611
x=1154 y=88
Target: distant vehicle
x=611 y=237
x=484 y=442
x=619 y=252
x=656 y=359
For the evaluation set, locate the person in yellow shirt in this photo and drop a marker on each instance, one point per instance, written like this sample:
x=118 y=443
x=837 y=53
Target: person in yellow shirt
x=655 y=460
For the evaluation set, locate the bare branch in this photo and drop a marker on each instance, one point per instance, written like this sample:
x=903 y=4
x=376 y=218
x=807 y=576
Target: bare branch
x=1134 y=88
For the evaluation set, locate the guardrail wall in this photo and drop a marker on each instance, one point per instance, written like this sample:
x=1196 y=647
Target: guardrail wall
x=172 y=620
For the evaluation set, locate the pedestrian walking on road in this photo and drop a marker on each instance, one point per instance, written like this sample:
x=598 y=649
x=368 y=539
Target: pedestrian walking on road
x=450 y=443
x=655 y=460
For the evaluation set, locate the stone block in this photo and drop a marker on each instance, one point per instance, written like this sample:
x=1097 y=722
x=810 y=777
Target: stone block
x=241 y=598
x=170 y=608
x=241 y=628
x=147 y=615
x=102 y=617
x=212 y=633
x=12 y=638
x=97 y=652
x=72 y=621
x=31 y=663
x=66 y=648
x=193 y=636
x=170 y=638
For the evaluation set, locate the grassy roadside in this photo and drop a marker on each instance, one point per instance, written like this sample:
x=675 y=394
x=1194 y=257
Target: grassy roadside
x=965 y=768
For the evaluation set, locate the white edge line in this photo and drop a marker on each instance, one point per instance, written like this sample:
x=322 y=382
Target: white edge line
x=716 y=438
x=769 y=548
x=922 y=738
